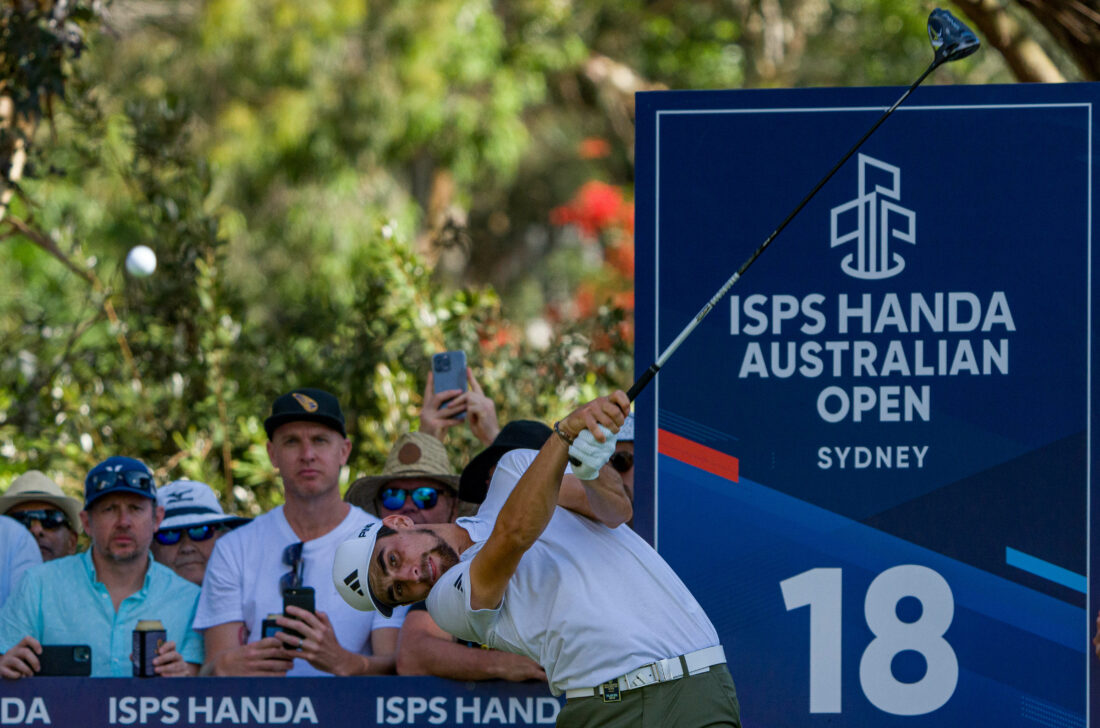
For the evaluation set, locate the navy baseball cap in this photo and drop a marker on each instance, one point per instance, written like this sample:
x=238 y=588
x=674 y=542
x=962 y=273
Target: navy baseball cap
x=306 y=405
x=118 y=474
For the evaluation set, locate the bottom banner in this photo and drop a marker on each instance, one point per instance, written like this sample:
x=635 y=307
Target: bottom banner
x=364 y=701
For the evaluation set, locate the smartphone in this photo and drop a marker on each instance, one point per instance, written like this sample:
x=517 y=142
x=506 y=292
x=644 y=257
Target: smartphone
x=449 y=372
x=65 y=661
x=299 y=597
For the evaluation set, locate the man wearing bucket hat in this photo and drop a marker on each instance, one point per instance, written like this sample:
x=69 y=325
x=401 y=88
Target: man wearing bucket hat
x=291 y=547
x=96 y=598
x=52 y=517
x=193 y=520
x=417 y=481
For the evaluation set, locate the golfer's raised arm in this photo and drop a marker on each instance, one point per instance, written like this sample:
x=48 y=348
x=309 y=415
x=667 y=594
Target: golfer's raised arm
x=529 y=507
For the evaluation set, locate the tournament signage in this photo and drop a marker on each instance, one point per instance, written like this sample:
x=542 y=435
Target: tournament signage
x=872 y=462
x=371 y=701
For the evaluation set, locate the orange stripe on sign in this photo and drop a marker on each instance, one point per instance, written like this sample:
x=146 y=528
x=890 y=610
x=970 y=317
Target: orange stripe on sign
x=700 y=456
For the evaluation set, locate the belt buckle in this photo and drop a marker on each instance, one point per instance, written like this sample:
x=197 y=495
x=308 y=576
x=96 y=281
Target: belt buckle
x=661 y=671
x=610 y=691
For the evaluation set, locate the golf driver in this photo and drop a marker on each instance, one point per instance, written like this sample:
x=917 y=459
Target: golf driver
x=951 y=40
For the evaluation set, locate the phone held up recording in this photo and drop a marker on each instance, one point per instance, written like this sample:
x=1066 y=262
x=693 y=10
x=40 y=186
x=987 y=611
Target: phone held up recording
x=449 y=372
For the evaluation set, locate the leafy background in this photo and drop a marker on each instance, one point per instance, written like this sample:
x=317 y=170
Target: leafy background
x=337 y=189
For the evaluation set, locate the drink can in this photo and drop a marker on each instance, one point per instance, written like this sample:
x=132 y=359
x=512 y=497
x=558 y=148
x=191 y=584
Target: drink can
x=149 y=635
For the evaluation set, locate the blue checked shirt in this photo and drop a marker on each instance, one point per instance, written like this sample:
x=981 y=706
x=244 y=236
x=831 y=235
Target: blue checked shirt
x=61 y=603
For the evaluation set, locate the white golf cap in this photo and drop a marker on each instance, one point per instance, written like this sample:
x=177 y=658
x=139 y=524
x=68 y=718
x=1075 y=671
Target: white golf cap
x=191 y=503
x=351 y=567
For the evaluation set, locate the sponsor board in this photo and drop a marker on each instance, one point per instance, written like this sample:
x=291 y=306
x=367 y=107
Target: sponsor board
x=872 y=462
x=370 y=701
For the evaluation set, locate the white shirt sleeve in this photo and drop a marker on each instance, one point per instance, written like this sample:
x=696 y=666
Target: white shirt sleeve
x=222 y=596
x=394 y=621
x=449 y=605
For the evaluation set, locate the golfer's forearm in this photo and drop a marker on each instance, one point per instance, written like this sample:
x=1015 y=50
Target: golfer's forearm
x=531 y=504
x=604 y=500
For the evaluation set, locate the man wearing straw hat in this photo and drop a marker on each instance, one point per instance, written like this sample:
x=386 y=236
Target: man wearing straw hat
x=417 y=481
x=52 y=517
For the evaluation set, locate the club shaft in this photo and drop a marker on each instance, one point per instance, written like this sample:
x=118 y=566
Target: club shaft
x=641 y=382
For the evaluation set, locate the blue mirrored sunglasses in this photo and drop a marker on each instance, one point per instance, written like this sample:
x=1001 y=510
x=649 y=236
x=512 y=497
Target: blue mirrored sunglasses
x=424 y=497
x=133 y=478
x=172 y=536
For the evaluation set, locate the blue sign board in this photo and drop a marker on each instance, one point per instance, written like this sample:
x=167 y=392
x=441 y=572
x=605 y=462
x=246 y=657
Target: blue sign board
x=872 y=462
x=334 y=702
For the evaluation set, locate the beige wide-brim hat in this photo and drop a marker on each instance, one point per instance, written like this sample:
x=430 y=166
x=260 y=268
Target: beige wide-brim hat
x=34 y=485
x=414 y=455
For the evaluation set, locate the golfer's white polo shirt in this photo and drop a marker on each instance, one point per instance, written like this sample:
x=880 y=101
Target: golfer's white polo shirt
x=588 y=603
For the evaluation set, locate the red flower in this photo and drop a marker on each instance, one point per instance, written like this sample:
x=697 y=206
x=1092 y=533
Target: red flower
x=596 y=207
x=593 y=148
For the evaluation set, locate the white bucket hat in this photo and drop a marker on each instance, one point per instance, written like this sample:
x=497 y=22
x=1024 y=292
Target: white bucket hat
x=191 y=503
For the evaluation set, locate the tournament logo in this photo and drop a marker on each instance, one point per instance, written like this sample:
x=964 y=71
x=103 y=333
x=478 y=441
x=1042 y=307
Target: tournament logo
x=873 y=219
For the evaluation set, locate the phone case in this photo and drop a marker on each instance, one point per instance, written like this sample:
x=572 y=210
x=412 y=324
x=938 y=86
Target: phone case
x=300 y=597
x=65 y=661
x=449 y=372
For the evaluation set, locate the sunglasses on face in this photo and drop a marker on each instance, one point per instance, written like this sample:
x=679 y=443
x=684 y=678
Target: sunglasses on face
x=622 y=461
x=50 y=519
x=133 y=478
x=424 y=497
x=172 y=536
x=292 y=557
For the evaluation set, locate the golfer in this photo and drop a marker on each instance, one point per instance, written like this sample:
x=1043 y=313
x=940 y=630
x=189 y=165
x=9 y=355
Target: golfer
x=611 y=624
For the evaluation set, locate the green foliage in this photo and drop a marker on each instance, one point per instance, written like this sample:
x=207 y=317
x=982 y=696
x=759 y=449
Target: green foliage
x=307 y=174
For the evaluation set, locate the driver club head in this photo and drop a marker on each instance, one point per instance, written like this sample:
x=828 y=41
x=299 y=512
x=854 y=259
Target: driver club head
x=951 y=39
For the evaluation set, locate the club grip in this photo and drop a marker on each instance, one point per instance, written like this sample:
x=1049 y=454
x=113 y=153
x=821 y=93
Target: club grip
x=642 y=381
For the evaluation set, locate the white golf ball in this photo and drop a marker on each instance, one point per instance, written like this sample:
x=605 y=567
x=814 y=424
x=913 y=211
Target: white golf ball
x=141 y=261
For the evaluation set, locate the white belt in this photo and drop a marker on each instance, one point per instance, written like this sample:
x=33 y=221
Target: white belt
x=672 y=668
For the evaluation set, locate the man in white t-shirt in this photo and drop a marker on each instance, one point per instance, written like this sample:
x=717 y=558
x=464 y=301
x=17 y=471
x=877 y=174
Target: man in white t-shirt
x=610 y=622
x=290 y=547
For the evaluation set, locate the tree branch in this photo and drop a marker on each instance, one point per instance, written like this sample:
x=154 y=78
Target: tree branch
x=1026 y=58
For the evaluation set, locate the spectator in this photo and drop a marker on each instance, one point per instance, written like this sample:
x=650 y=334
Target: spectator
x=97 y=597
x=18 y=552
x=417 y=481
x=193 y=520
x=293 y=546
x=436 y=417
x=518 y=434
x=51 y=516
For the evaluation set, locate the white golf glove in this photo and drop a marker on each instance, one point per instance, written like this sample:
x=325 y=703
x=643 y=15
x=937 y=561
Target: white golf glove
x=591 y=453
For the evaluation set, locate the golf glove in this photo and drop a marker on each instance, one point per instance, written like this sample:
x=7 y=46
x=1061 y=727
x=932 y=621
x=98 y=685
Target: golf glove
x=591 y=453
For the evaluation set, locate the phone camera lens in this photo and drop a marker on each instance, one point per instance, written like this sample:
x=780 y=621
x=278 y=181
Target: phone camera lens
x=82 y=654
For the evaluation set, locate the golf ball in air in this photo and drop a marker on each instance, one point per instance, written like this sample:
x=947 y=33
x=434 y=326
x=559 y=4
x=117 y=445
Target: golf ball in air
x=141 y=261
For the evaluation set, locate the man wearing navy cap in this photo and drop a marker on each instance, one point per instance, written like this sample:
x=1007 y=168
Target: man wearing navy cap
x=291 y=547
x=97 y=598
